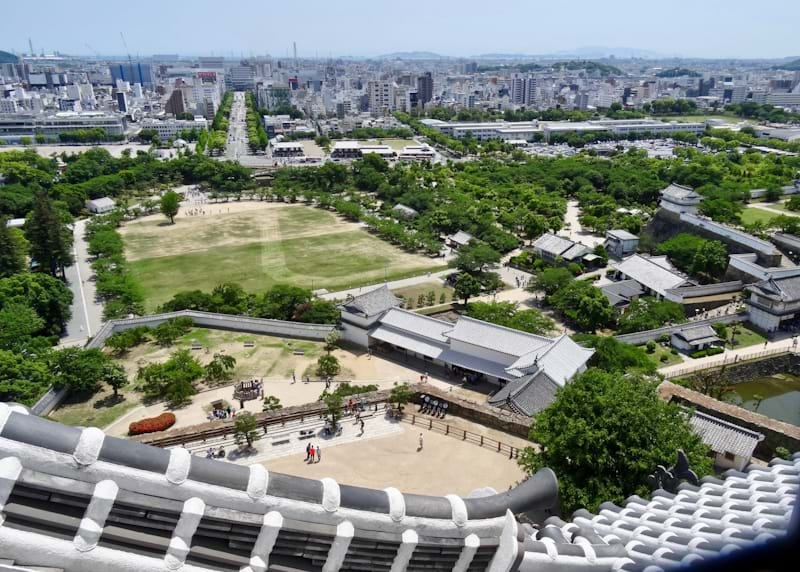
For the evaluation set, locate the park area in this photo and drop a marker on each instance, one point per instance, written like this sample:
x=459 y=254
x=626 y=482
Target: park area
x=258 y=245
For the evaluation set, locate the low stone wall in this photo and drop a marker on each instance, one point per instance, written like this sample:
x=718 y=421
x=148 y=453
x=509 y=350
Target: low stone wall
x=638 y=338
x=213 y=320
x=748 y=370
x=776 y=433
x=481 y=413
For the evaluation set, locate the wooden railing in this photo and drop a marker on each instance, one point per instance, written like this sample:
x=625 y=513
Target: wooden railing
x=440 y=426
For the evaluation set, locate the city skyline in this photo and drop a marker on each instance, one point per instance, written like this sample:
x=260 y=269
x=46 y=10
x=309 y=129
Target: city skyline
x=713 y=30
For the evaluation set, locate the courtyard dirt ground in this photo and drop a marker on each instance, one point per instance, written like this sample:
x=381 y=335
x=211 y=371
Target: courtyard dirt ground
x=444 y=465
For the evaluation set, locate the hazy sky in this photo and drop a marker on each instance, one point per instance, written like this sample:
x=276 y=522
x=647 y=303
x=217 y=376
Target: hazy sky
x=691 y=28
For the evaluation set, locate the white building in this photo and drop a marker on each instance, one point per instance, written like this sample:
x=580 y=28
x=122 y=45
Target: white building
x=381 y=96
x=100 y=206
x=171 y=128
x=529 y=367
x=679 y=199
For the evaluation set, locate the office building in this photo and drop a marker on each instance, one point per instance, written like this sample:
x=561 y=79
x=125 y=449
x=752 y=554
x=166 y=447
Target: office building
x=122 y=102
x=134 y=72
x=425 y=88
x=243 y=78
x=171 y=128
x=381 y=96
x=12 y=127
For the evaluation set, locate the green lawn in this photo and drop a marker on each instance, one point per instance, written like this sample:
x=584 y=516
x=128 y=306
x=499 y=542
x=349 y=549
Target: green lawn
x=663 y=351
x=751 y=215
x=745 y=337
x=693 y=118
x=293 y=244
x=396 y=144
x=412 y=293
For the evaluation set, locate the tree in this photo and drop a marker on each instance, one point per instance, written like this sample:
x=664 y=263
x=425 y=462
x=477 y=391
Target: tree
x=49 y=236
x=78 y=369
x=584 y=305
x=648 y=314
x=551 y=280
x=612 y=355
x=18 y=324
x=171 y=379
x=281 y=302
x=714 y=383
x=170 y=204
x=220 y=367
x=245 y=429
x=401 y=394
x=332 y=340
x=466 y=287
x=12 y=255
x=328 y=366
x=271 y=403
x=696 y=255
x=508 y=314
x=49 y=297
x=605 y=433
x=333 y=405
x=474 y=257
x=22 y=378
x=114 y=375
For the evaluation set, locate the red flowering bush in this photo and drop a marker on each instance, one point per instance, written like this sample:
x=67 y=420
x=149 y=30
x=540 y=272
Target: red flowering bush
x=152 y=424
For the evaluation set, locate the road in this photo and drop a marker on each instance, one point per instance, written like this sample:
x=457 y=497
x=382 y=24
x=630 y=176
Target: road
x=236 y=148
x=87 y=312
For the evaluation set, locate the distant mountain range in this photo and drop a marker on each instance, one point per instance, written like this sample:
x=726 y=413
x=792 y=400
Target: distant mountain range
x=588 y=52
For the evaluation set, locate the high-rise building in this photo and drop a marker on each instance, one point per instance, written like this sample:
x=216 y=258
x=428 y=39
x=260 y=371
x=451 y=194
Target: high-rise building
x=133 y=72
x=523 y=89
x=381 y=96
x=176 y=103
x=122 y=102
x=425 y=88
x=243 y=77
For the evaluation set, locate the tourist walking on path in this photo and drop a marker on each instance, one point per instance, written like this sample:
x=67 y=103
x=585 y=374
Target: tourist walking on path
x=362 y=426
x=421 y=442
x=308 y=451
x=313 y=453
x=319 y=453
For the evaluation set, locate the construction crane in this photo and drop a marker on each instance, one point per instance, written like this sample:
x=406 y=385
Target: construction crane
x=96 y=53
x=130 y=60
x=30 y=45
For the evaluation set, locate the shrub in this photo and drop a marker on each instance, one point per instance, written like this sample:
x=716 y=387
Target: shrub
x=152 y=424
x=664 y=338
x=651 y=346
x=673 y=351
x=708 y=352
x=664 y=358
x=783 y=453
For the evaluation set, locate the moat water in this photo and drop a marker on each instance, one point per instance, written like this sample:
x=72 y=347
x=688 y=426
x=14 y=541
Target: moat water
x=781 y=397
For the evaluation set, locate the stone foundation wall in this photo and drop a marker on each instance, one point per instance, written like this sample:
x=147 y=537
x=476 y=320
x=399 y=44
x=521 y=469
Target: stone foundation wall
x=776 y=433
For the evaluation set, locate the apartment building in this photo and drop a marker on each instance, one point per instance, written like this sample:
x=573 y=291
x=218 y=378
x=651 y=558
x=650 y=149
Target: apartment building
x=381 y=96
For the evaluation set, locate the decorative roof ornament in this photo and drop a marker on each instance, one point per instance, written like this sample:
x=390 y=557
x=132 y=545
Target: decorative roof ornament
x=669 y=479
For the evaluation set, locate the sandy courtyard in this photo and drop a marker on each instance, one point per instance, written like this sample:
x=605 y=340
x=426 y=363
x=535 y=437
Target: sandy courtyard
x=445 y=464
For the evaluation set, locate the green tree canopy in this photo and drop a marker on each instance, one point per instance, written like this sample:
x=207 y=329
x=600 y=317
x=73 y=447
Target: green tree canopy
x=245 y=429
x=509 y=315
x=49 y=236
x=551 y=280
x=12 y=254
x=604 y=434
x=466 y=287
x=170 y=204
x=49 y=297
x=613 y=355
x=474 y=257
x=583 y=305
x=649 y=314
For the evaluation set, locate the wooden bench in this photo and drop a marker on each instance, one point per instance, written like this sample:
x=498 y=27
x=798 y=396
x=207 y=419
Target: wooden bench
x=307 y=434
x=280 y=442
x=196 y=346
x=298 y=352
x=249 y=344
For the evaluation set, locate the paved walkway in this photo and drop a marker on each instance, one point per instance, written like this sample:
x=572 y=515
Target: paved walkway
x=575 y=231
x=87 y=311
x=730 y=356
x=768 y=207
x=393 y=284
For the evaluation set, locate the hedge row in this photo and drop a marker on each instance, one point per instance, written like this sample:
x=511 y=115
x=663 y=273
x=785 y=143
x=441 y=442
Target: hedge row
x=152 y=424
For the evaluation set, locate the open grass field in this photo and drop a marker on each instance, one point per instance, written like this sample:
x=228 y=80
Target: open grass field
x=258 y=245
x=396 y=144
x=412 y=293
x=693 y=118
x=754 y=214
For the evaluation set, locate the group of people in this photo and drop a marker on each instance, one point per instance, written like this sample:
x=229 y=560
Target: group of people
x=220 y=454
x=313 y=453
x=222 y=413
x=522 y=282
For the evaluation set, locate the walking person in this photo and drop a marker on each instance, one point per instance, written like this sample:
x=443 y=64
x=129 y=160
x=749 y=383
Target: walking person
x=362 y=425
x=308 y=451
x=319 y=453
x=313 y=453
x=421 y=442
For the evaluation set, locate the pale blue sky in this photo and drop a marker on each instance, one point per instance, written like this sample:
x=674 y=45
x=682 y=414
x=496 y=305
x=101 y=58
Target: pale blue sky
x=690 y=28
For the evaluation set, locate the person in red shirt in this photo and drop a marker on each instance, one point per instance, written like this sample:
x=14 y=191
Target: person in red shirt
x=313 y=453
